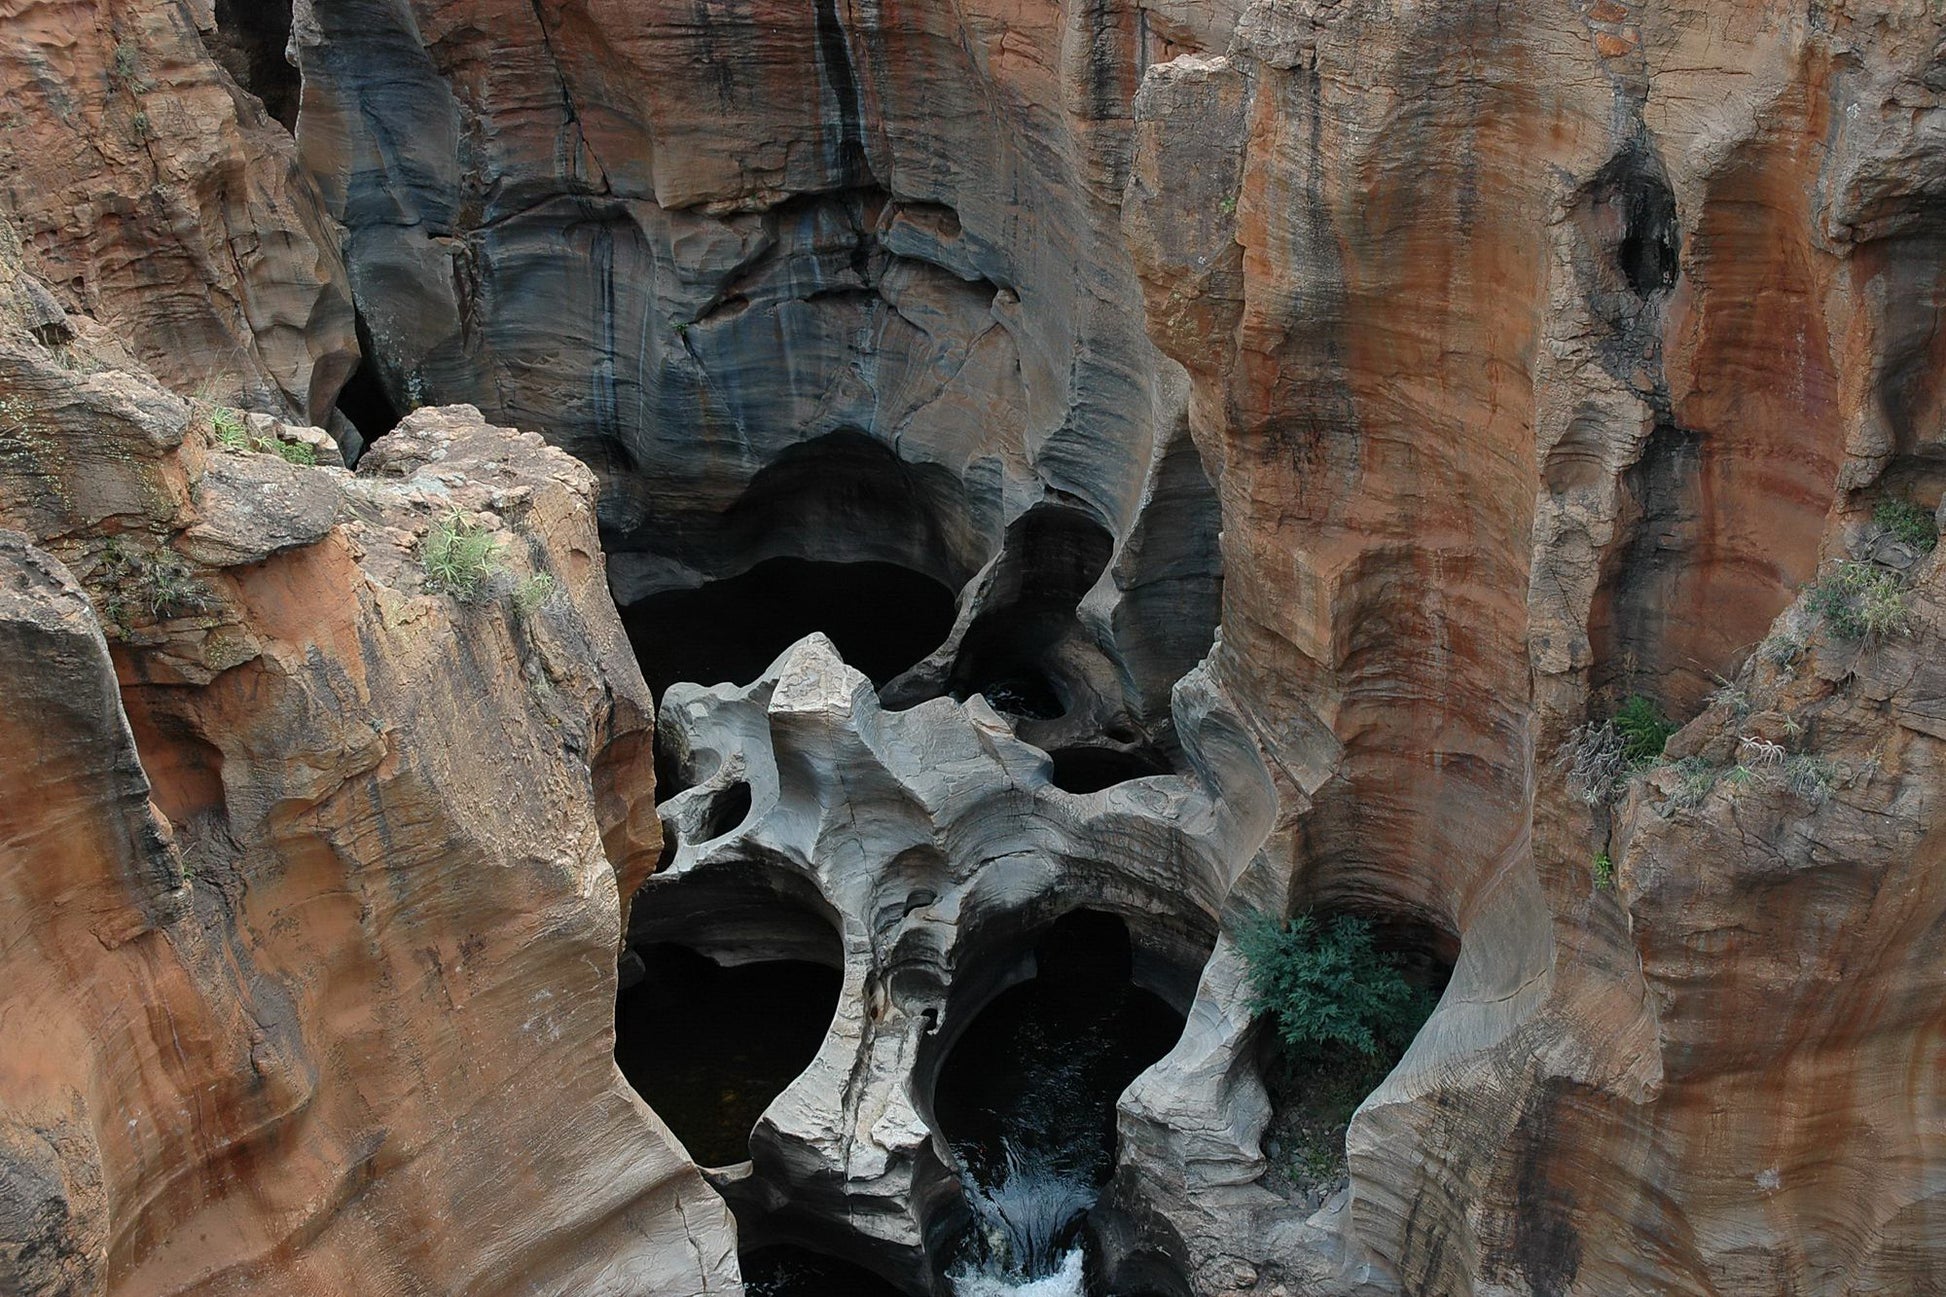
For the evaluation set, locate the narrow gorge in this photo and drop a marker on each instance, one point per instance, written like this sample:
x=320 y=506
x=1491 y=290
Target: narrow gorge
x=1060 y=648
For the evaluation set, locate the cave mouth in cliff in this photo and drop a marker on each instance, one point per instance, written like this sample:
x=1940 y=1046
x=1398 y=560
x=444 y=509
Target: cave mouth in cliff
x=252 y=36
x=1085 y=768
x=1016 y=650
x=1026 y=1093
x=1650 y=243
x=363 y=400
x=709 y=1045
x=881 y=616
x=791 y=1270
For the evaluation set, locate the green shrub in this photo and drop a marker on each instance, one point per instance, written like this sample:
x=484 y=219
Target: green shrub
x=1908 y=522
x=460 y=557
x=297 y=452
x=1342 y=1013
x=1859 y=601
x=1325 y=986
x=226 y=426
x=1643 y=729
x=1604 y=872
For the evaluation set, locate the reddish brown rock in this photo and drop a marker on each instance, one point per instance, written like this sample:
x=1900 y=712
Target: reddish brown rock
x=154 y=194
x=313 y=873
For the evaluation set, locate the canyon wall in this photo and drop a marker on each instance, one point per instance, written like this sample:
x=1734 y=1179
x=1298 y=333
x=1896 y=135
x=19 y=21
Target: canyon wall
x=298 y=997
x=1483 y=365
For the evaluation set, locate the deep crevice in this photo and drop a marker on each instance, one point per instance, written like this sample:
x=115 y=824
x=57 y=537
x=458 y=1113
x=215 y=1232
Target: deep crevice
x=363 y=400
x=251 y=37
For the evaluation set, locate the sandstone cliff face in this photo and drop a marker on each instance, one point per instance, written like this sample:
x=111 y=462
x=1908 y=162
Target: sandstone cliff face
x=1557 y=347
x=1528 y=357
x=298 y=996
x=161 y=199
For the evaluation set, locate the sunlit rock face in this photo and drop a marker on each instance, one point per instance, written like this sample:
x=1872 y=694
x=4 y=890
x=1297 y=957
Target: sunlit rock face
x=312 y=875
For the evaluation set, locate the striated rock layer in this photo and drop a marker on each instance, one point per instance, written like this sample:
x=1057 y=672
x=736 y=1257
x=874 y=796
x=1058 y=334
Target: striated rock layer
x=312 y=874
x=1490 y=364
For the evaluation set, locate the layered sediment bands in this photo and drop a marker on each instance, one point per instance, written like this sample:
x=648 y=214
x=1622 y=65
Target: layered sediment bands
x=890 y=231
x=1552 y=387
x=312 y=875
x=157 y=196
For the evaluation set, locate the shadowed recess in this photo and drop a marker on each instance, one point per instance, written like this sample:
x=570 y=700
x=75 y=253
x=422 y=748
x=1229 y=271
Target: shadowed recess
x=785 y=1270
x=708 y=1046
x=882 y=617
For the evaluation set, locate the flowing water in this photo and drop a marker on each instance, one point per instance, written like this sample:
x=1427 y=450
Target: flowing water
x=1027 y=1101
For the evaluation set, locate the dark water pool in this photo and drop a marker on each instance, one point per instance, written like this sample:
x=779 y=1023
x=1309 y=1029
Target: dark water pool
x=710 y=1046
x=787 y=1271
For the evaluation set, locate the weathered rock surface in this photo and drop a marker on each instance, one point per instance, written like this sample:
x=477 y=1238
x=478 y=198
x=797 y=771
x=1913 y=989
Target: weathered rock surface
x=896 y=226
x=312 y=875
x=1539 y=355
x=155 y=195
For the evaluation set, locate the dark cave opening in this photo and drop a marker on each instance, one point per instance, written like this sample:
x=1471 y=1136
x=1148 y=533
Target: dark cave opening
x=710 y=1045
x=1011 y=654
x=1026 y=1094
x=789 y=1270
x=727 y=810
x=882 y=617
x=1648 y=251
x=363 y=399
x=252 y=36
x=1087 y=769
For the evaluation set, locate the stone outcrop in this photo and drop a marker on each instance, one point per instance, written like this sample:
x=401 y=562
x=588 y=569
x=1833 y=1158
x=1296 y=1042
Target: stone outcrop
x=312 y=873
x=1489 y=364
x=158 y=197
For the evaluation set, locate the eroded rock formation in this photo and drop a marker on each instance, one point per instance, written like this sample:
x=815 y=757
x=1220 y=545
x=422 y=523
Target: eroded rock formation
x=297 y=996
x=1525 y=358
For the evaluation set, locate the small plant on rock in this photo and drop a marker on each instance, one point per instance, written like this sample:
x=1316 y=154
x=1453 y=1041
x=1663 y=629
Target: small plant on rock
x=1862 y=602
x=1695 y=779
x=226 y=427
x=1908 y=522
x=296 y=452
x=533 y=594
x=1809 y=777
x=1604 y=872
x=164 y=586
x=1644 y=730
x=460 y=557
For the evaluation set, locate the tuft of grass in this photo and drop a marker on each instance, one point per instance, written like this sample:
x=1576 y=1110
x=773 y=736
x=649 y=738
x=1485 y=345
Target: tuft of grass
x=226 y=428
x=1861 y=602
x=163 y=584
x=1643 y=730
x=1809 y=777
x=533 y=594
x=460 y=557
x=1908 y=522
x=1695 y=779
